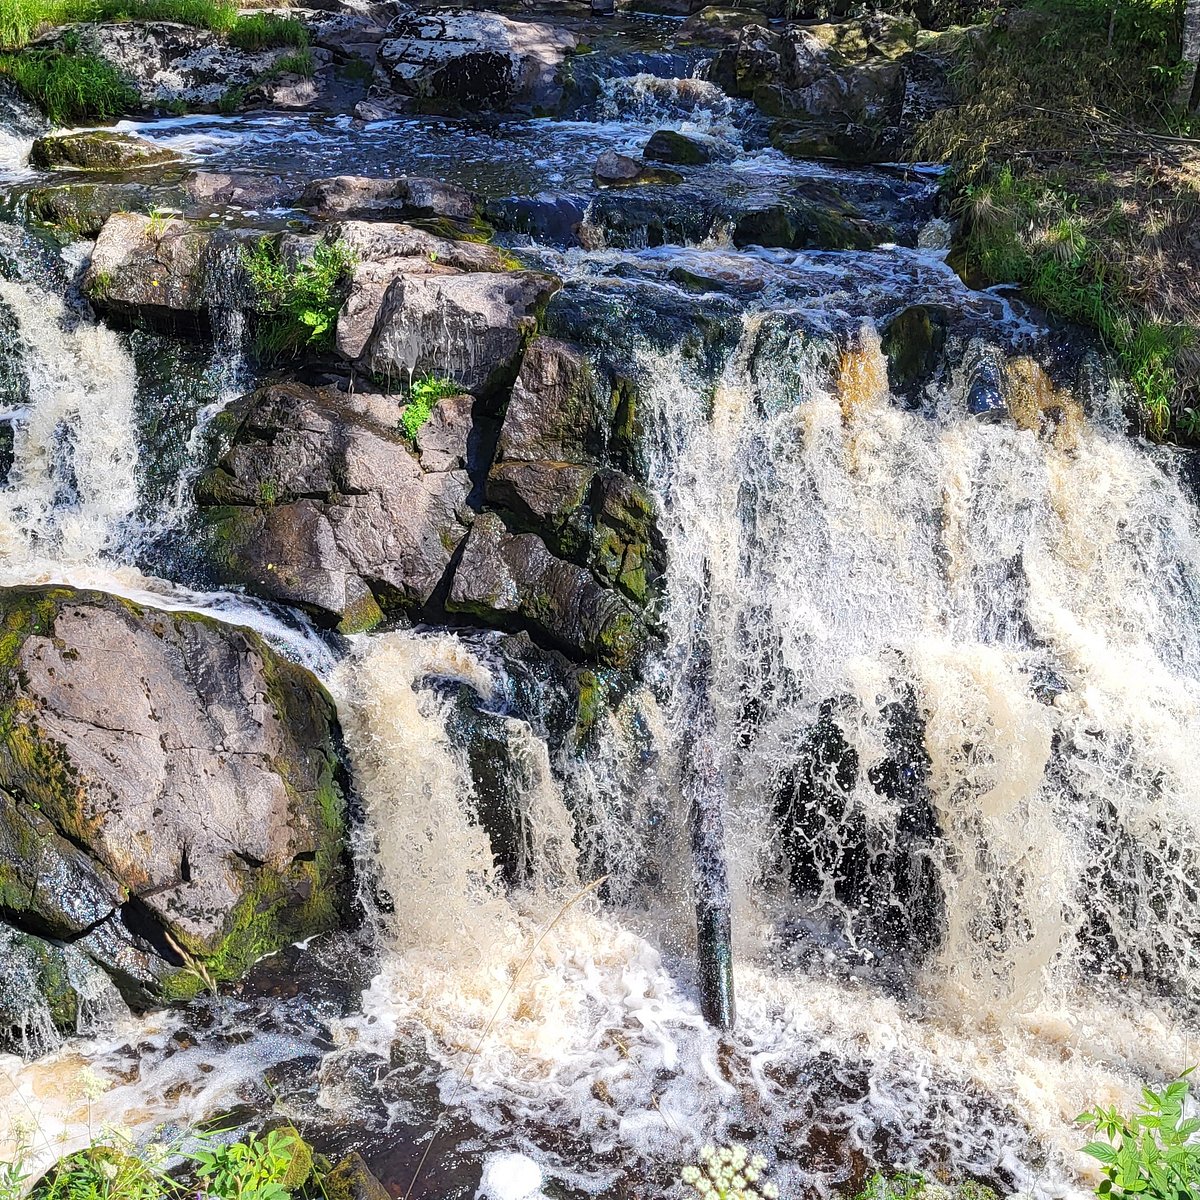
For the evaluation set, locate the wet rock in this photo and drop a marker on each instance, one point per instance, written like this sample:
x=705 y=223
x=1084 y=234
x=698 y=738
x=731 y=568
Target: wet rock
x=401 y=197
x=209 y=189
x=98 y=150
x=169 y=63
x=513 y=580
x=619 y=170
x=463 y=60
x=556 y=413
x=171 y=785
x=840 y=141
x=670 y=147
x=717 y=25
x=468 y=327
x=549 y=218
x=913 y=341
x=321 y=502
x=83 y=208
x=802 y=226
x=352 y=1179
x=155 y=271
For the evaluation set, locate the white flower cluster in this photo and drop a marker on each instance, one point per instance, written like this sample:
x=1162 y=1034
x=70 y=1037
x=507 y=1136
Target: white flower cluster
x=729 y=1174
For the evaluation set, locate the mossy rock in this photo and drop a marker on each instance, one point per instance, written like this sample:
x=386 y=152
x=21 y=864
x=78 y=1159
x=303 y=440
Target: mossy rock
x=352 y=1179
x=669 y=146
x=98 y=150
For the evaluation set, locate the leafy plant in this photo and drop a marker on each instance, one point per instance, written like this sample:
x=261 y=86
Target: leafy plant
x=422 y=397
x=111 y=1168
x=299 y=304
x=70 y=87
x=912 y=1185
x=260 y=1168
x=300 y=63
x=1153 y=1152
x=14 y=1173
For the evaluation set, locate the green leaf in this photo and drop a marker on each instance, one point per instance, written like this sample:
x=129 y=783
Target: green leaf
x=1102 y=1151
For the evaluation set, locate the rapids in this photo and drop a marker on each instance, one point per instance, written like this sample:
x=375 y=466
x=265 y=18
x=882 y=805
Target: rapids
x=954 y=674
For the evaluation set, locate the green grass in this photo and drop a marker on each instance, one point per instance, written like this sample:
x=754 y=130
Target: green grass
x=422 y=399
x=300 y=305
x=300 y=63
x=259 y=31
x=20 y=20
x=70 y=88
x=1069 y=182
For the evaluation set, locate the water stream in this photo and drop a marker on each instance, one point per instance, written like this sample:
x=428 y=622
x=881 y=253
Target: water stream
x=954 y=676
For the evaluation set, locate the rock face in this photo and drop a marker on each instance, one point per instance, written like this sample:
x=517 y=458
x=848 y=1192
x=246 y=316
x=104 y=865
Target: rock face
x=470 y=327
x=98 y=150
x=170 y=796
x=155 y=271
x=619 y=170
x=322 y=503
x=169 y=63
x=462 y=60
x=837 y=91
x=399 y=198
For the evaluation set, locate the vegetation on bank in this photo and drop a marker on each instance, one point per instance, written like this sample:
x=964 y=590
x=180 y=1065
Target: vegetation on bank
x=1074 y=176
x=69 y=86
x=298 y=303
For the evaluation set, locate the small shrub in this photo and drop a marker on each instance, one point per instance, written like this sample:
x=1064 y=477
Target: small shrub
x=70 y=87
x=259 y=31
x=260 y=1168
x=422 y=397
x=1151 y=1153
x=300 y=305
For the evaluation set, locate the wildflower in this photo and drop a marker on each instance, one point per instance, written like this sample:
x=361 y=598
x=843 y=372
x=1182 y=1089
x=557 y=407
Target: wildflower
x=690 y=1175
x=108 y=1170
x=91 y=1084
x=770 y=1191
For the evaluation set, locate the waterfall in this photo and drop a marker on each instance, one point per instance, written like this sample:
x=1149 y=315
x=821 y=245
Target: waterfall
x=960 y=827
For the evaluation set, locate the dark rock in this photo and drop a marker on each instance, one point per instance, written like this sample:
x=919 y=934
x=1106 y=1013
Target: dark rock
x=321 y=502
x=171 y=787
x=352 y=1179
x=670 y=147
x=506 y=579
x=403 y=197
x=83 y=208
x=98 y=150
x=913 y=341
x=804 y=226
x=463 y=60
x=619 y=170
x=715 y=25
x=471 y=328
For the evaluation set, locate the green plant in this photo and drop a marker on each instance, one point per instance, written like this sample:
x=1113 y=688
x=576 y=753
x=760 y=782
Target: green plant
x=111 y=1168
x=258 y=31
x=423 y=395
x=729 y=1173
x=299 y=304
x=268 y=492
x=259 y=1168
x=230 y=100
x=1151 y=1153
x=300 y=63
x=912 y=1185
x=70 y=87
x=20 y=20
x=15 y=1173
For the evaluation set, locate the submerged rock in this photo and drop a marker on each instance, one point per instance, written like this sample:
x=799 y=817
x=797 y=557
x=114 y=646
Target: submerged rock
x=619 y=170
x=170 y=796
x=670 y=147
x=83 y=208
x=98 y=150
x=321 y=502
x=464 y=60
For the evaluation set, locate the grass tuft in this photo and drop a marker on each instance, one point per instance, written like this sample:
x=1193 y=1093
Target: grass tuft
x=21 y=20
x=260 y=31
x=70 y=88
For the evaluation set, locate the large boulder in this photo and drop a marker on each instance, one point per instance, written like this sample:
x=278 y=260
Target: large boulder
x=170 y=791
x=507 y=578
x=98 y=150
x=321 y=502
x=470 y=327
x=400 y=198
x=553 y=472
x=169 y=63
x=462 y=60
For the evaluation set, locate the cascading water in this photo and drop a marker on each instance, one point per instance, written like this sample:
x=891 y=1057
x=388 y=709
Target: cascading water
x=945 y=672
